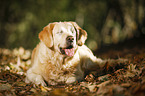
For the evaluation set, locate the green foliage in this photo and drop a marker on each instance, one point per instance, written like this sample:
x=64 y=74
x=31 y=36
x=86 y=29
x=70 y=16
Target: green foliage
x=105 y=21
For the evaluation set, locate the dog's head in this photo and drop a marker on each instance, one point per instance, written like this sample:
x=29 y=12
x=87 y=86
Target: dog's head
x=64 y=37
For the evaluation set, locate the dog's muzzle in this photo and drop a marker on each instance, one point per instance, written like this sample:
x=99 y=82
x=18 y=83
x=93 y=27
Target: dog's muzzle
x=69 y=50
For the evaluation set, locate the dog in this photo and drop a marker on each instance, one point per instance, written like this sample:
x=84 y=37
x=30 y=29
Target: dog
x=61 y=57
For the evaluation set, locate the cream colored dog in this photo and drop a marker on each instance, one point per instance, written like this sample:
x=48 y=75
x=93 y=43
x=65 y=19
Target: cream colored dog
x=61 y=56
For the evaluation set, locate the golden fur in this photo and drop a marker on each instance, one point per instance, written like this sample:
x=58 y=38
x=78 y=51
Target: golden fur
x=61 y=56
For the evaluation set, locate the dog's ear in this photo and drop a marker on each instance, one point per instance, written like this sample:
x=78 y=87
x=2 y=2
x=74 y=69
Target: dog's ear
x=46 y=35
x=81 y=34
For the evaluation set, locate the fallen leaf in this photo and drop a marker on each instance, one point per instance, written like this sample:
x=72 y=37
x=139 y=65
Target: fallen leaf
x=60 y=92
x=5 y=87
x=22 y=92
x=143 y=80
x=33 y=90
x=18 y=61
x=22 y=84
x=104 y=83
x=112 y=90
x=132 y=70
x=48 y=89
x=129 y=74
x=131 y=67
x=21 y=51
x=89 y=78
x=103 y=78
x=104 y=90
x=26 y=55
x=45 y=89
x=90 y=86
x=125 y=85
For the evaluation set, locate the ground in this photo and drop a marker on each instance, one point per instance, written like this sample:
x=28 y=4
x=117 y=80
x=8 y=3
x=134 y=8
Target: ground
x=128 y=80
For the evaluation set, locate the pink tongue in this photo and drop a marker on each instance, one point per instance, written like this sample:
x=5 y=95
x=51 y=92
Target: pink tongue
x=69 y=52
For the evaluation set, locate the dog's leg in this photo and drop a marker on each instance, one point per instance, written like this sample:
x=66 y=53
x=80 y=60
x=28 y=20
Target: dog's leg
x=71 y=80
x=104 y=66
x=34 y=78
x=112 y=65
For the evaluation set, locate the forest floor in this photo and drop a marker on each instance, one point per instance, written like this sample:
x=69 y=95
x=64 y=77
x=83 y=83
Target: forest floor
x=127 y=81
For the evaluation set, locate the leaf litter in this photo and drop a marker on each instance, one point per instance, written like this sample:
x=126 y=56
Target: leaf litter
x=128 y=81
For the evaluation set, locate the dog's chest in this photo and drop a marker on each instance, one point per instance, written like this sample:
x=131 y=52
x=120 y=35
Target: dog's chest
x=71 y=63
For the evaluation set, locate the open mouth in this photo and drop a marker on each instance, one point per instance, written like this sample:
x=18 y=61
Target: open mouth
x=69 y=51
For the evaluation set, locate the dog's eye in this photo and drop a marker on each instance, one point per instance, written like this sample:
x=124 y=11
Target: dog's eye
x=72 y=30
x=59 y=32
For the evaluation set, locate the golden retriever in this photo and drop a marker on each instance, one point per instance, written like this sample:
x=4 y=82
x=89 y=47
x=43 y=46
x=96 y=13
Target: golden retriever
x=61 y=56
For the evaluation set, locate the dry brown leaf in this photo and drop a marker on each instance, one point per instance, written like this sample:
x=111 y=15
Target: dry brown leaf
x=104 y=77
x=90 y=86
x=104 y=83
x=110 y=90
x=5 y=87
x=104 y=90
x=33 y=90
x=132 y=67
x=129 y=74
x=45 y=89
x=132 y=70
x=125 y=85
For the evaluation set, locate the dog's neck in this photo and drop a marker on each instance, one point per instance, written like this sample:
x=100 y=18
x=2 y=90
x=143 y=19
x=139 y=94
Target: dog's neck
x=54 y=56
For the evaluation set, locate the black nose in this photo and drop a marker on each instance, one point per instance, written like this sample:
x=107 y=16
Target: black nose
x=70 y=38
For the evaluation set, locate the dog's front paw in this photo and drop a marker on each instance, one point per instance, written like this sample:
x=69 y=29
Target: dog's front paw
x=71 y=80
x=39 y=81
x=36 y=80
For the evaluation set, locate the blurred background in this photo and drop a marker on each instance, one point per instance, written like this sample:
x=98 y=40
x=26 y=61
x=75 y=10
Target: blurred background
x=106 y=21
